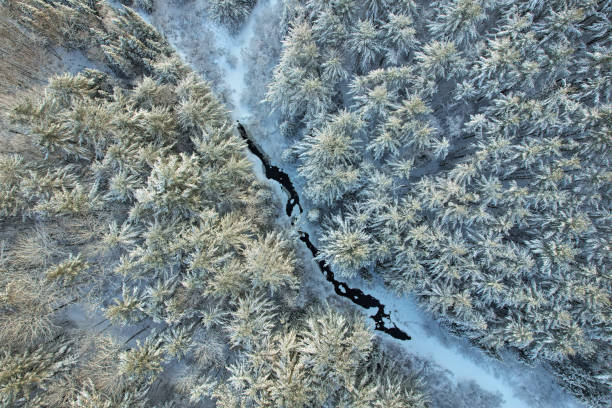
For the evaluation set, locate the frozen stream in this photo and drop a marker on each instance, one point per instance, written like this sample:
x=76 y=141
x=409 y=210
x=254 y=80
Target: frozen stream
x=518 y=384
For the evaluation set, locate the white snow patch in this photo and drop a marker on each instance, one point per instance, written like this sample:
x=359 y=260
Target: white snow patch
x=235 y=67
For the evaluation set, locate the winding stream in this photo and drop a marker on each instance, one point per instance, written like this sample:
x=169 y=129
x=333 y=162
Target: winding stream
x=381 y=319
x=273 y=172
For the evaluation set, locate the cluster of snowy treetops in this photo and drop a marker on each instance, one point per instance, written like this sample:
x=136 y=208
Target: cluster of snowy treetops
x=230 y=13
x=137 y=199
x=462 y=149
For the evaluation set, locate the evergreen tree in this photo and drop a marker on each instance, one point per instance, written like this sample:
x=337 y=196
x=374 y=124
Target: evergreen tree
x=68 y=269
x=365 y=44
x=251 y=320
x=230 y=12
x=346 y=248
x=142 y=363
x=329 y=157
x=335 y=345
x=270 y=263
x=441 y=59
x=22 y=374
x=375 y=8
x=458 y=20
x=172 y=187
x=399 y=37
x=128 y=309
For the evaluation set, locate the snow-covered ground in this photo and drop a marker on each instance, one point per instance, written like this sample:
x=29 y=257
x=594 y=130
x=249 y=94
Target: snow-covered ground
x=518 y=384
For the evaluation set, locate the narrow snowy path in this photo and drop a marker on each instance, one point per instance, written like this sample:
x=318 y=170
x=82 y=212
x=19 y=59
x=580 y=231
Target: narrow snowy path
x=235 y=73
x=519 y=384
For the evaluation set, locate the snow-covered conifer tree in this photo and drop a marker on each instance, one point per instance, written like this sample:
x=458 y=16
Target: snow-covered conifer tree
x=440 y=59
x=458 y=20
x=230 y=12
x=270 y=263
x=329 y=156
x=375 y=8
x=128 y=309
x=365 y=44
x=144 y=362
x=346 y=248
x=251 y=320
x=399 y=37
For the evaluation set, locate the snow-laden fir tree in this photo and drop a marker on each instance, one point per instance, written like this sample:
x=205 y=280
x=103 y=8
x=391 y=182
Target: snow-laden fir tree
x=329 y=156
x=230 y=12
x=459 y=20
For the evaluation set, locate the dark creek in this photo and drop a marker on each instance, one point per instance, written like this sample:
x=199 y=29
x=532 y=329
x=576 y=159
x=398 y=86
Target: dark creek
x=366 y=301
x=274 y=173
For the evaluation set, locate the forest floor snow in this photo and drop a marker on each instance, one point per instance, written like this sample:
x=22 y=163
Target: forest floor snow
x=467 y=376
